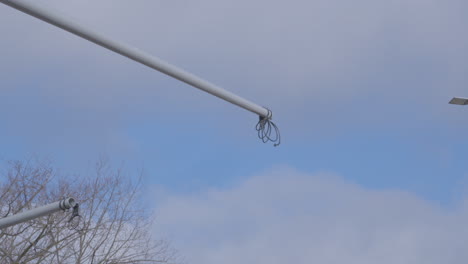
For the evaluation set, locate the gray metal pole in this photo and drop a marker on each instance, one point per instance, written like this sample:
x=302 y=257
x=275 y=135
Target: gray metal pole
x=37 y=212
x=73 y=27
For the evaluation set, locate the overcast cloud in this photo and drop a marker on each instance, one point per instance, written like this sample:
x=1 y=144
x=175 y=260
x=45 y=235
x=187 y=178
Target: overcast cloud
x=286 y=216
x=327 y=61
x=288 y=54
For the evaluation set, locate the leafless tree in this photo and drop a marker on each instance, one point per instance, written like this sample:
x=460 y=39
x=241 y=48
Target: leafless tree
x=114 y=227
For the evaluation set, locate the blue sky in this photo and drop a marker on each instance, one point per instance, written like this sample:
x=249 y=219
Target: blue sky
x=359 y=89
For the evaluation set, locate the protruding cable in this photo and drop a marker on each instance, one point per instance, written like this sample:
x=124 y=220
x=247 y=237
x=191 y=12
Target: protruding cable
x=75 y=218
x=265 y=128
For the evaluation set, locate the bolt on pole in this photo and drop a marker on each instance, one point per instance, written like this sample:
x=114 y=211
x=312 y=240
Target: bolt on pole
x=37 y=212
x=73 y=27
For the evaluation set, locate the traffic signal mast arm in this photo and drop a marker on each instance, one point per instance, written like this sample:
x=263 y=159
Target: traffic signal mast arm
x=267 y=130
x=36 y=10
x=37 y=212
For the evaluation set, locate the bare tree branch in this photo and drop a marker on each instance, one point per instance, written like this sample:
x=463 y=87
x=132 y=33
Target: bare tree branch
x=114 y=227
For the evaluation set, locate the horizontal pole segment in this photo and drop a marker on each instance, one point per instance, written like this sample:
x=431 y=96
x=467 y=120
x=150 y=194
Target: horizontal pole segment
x=73 y=27
x=37 y=212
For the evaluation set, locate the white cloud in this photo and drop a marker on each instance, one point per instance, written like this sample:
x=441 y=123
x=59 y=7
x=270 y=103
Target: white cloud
x=294 y=53
x=285 y=216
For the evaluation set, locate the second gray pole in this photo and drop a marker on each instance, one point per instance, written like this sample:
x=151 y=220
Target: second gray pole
x=36 y=212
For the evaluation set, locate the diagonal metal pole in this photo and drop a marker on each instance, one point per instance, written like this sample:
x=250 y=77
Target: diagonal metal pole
x=65 y=23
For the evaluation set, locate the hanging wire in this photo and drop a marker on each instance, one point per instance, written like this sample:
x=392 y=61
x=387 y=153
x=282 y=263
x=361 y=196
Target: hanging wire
x=75 y=219
x=265 y=128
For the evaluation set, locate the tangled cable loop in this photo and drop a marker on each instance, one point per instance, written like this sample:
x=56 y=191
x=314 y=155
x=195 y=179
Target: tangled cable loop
x=75 y=219
x=265 y=128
